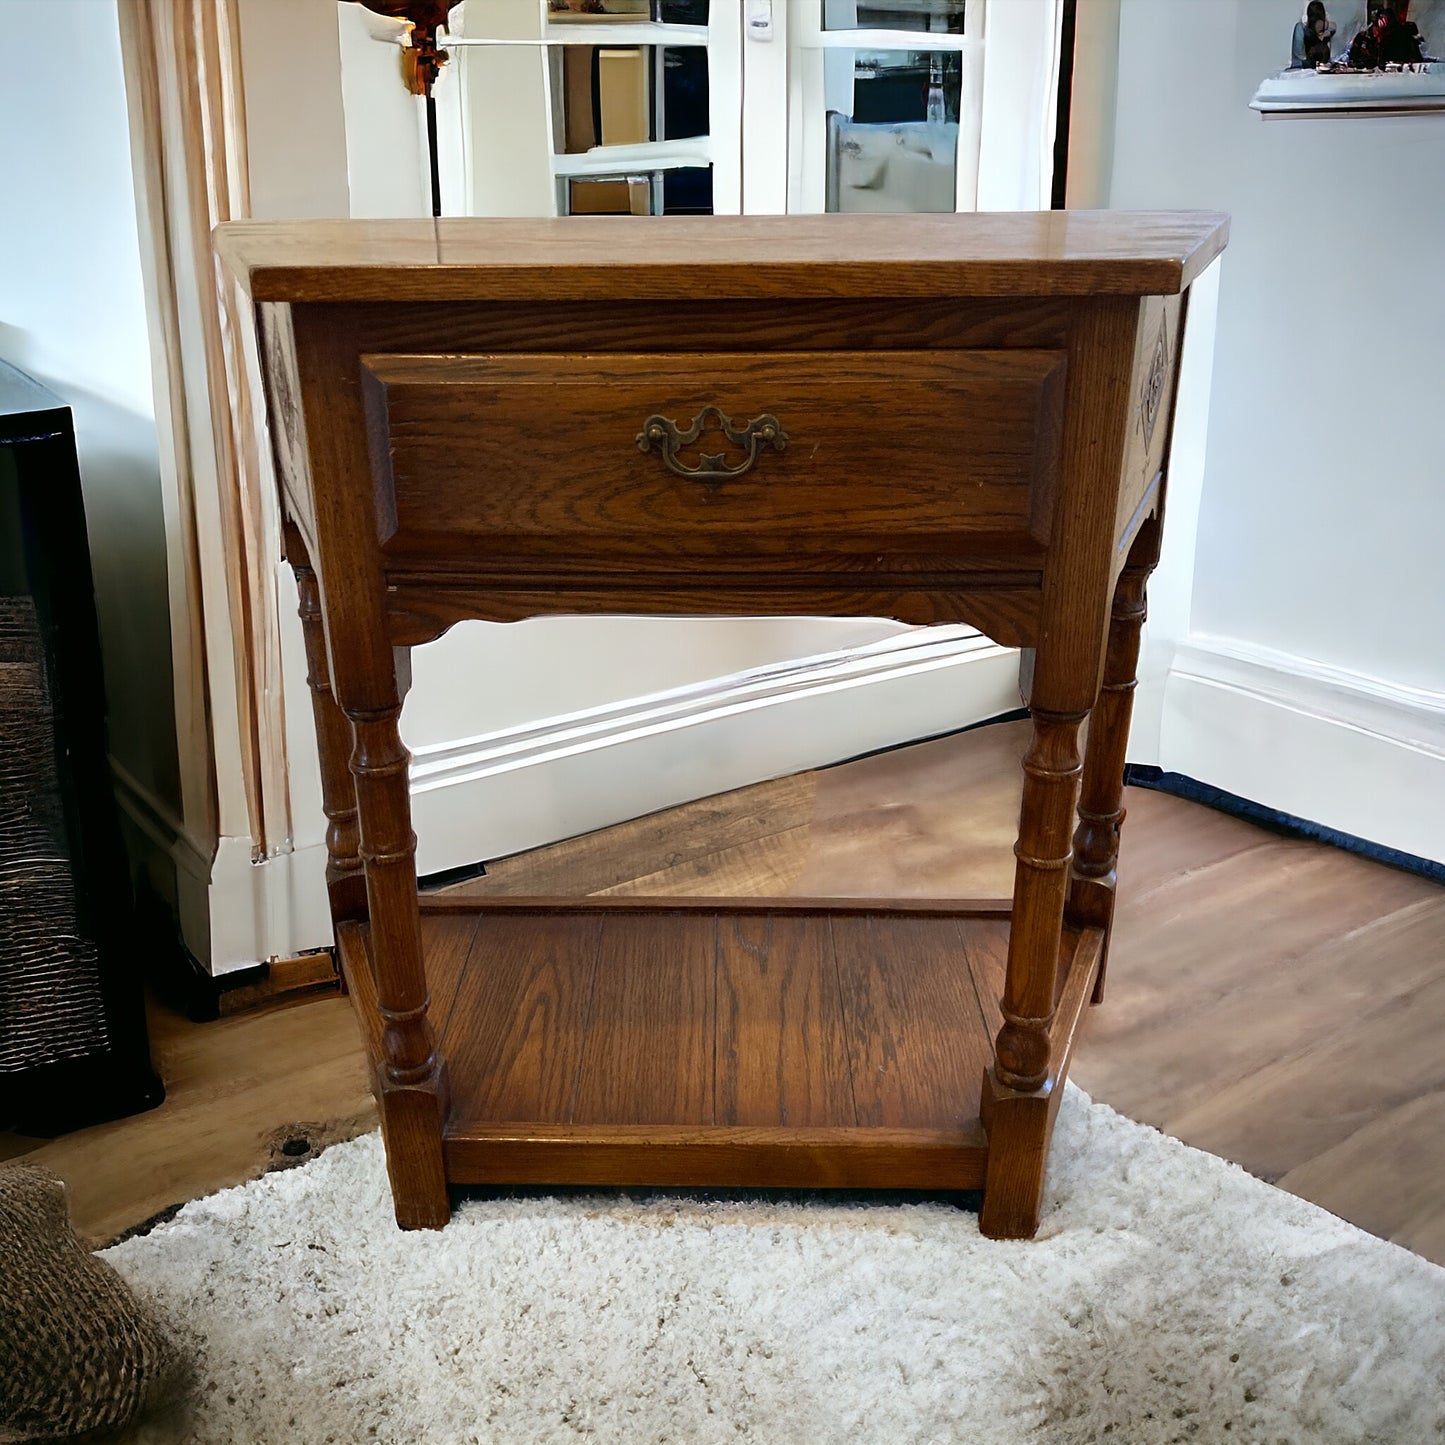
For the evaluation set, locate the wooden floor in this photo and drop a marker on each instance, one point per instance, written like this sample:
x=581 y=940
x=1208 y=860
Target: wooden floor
x=1276 y=1002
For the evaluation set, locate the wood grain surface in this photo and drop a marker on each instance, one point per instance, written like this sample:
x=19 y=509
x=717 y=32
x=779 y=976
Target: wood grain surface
x=781 y=324
x=515 y=1033
x=1048 y=253
x=778 y=1013
x=939 y=1161
x=422 y=609
x=524 y=448
x=1153 y=387
x=821 y=1042
x=906 y=1071
x=650 y=1051
x=783 y=1048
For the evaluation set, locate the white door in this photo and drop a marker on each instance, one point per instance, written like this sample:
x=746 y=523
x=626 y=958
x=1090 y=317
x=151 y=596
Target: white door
x=526 y=733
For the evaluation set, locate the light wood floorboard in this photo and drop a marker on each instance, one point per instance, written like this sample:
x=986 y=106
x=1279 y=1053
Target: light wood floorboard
x=236 y=1089
x=1277 y=1002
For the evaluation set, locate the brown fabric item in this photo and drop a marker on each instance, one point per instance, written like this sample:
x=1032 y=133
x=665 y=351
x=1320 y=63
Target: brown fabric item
x=78 y=1350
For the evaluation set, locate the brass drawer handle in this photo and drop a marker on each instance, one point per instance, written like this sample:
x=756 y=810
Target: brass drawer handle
x=658 y=431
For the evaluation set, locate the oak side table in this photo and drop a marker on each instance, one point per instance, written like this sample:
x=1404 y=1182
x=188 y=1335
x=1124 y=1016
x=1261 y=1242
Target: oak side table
x=932 y=418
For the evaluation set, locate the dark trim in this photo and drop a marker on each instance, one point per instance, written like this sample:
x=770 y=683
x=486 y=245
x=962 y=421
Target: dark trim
x=1067 y=34
x=178 y=979
x=433 y=157
x=448 y=876
x=1286 y=825
x=594 y=84
x=1018 y=714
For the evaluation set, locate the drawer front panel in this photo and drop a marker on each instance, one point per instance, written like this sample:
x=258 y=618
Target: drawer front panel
x=539 y=454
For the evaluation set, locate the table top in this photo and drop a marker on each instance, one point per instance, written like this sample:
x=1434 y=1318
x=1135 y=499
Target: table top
x=1033 y=253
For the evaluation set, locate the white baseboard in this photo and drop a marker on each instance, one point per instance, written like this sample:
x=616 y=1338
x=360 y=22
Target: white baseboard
x=1343 y=749
x=234 y=911
x=264 y=909
x=491 y=796
x=248 y=910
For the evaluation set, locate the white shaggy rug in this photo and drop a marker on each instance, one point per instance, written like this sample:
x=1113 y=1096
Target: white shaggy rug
x=1169 y=1297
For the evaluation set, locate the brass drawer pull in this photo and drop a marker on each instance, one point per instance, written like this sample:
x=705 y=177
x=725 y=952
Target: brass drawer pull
x=761 y=431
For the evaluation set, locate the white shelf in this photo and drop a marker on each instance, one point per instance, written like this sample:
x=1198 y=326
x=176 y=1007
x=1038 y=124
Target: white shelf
x=617 y=33
x=661 y=155
x=921 y=40
x=638 y=32
x=1308 y=92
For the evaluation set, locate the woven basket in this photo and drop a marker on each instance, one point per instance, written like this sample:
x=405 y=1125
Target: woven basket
x=80 y=1351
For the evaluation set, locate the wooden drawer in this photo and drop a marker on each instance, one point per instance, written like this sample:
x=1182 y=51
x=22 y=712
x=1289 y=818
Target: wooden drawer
x=538 y=455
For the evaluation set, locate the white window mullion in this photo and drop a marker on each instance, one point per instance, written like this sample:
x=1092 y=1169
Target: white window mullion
x=768 y=155
x=808 y=169
x=970 y=112
x=1020 y=89
x=725 y=106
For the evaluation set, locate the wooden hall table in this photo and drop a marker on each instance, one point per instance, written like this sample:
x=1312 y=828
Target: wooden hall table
x=932 y=418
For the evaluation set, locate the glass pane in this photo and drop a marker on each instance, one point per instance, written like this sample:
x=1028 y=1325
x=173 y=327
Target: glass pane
x=582 y=11
x=606 y=96
x=685 y=191
x=684 y=103
x=611 y=96
x=608 y=196
x=625 y=95
x=941 y=17
x=892 y=130
x=682 y=12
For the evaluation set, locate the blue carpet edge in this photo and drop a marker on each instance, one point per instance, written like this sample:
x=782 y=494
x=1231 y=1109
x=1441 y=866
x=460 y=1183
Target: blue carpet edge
x=1140 y=775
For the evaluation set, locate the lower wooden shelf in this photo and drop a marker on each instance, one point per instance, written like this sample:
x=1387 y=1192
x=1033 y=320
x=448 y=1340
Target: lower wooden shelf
x=718 y=1042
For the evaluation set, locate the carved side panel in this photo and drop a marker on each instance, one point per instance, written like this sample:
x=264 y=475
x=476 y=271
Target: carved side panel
x=1151 y=389
x=287 y=424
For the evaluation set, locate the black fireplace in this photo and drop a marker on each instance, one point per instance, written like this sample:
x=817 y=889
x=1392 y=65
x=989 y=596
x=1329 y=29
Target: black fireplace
x=73 y=1048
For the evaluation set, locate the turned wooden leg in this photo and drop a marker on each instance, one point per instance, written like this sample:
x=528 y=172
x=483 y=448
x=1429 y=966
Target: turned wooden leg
x=412 y=1079
x=1016 y=1089
x=1051 y=779
x=345 y=881
x=1101 y=797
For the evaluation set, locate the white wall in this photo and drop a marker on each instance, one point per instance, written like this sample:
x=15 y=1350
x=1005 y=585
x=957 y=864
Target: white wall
x=505 y=113
x=1312 y=677
x=296 y=133
x=384 y=124
x=72 y=313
